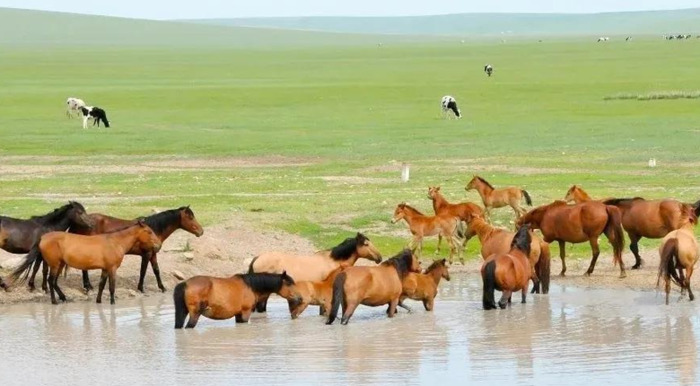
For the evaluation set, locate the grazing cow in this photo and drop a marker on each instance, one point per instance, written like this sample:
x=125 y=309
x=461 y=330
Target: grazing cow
x=73 y=104
x=96 y=113
x=679 y=36
x=488 y=69
x=450 y=103
x=628 y=38
x=603 y=39
x=688 y=36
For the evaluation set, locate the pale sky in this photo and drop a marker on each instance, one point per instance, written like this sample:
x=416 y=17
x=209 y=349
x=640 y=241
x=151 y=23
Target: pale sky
x=196 y=9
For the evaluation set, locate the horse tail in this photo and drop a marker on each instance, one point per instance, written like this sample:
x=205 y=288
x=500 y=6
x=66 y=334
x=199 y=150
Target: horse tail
x=489 y=278
x=528 y=199
x=696 y=208
x=250 y=267
x=21 y=273
x=543 y=268
x=338 y=295
x=613 y=230
x=180 y=305
x=668 y=262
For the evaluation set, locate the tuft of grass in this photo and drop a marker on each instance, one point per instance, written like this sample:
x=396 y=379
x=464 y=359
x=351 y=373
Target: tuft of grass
x=655 y=95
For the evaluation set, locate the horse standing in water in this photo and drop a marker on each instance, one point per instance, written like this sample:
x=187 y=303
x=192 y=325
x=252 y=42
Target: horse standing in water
x=424 y=286
x=497 y=198
x=421 y=226
x=19 y=235
x=652 y=219
x=498 y=241
x=223 y=298
x=577 y=224
x=371 y=286
x=314 y=267
x=508 y=272
x=105 y=252
x=314 y=293
x=678 y=252
x=462 y=211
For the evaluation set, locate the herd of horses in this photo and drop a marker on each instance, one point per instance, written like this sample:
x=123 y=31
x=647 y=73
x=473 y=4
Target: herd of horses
x=329 y=279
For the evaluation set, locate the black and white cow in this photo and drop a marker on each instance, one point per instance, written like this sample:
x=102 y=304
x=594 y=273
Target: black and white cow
x=450 y=104
x=96 y=113
x=488 y=69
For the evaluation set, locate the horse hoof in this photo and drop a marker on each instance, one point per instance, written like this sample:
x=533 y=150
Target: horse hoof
x=637 y=266
x=162 y=289
x=562 y=274
x=587 y=274
x=623 y=275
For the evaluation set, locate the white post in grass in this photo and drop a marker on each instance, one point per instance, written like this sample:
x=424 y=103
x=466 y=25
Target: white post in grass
x=405 y=172
x=652 y=162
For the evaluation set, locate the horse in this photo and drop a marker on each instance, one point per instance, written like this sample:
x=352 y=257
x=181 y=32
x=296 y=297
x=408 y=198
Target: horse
x=314 y=267
x=462 y=211
x=423 y=286
x=73 y=105
x=163 y=224
x=507 y=272
x=105 y=252
x=488 y=69
x=497 y=198
x=577 y=224
x=449 y=103
x=652 y=219
x=678 y=252
x=314 y=293
x=421 y=226
x=498 y=241
x=371 y=286
x=223 y=298
x=96 y=113
x=577 y=195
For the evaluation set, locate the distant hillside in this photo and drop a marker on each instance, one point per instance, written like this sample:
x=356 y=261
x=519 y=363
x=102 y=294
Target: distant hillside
x=621 y=23
x=37 y=28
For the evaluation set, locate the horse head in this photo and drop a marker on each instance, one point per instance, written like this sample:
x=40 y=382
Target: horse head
x=188 y=222
x=365 y=249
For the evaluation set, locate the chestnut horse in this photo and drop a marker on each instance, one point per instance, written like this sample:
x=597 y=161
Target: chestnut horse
x=421 y=226
x=498 y=241
x=577 y=195
x=462 y=211
x=105 y=252
x=652 y=219
x=497 y=198
x=315 y=267
x=314 y=293
x=678 y=252
x=423 y=286
x=371 y=286
x=507 y=272
x=577 y=224
x=223 y=298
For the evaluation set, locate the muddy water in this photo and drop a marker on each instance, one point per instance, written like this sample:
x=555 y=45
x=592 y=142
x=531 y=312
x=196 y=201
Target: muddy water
x=573 y=336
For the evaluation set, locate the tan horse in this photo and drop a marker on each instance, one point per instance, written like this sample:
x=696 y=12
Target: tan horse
x=462 y=211
x=223 y=298
x=105 y=252
x=314 y=293
x=678 y=252
x=508 y=272
x=498 y=241
x=422 y=226
x=497 y=198
x=371 y=286
x=315 y=267
x=423 y=286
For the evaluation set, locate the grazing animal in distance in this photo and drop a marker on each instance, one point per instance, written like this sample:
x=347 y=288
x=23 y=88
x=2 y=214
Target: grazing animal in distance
x=628 y=38
x=423 y=286
x=678 y=252
x=507 y=272
x=488 y=69
x=497 y=198
x=73 y=105
x=95 y=113
x=448 y=104
x=603 y=39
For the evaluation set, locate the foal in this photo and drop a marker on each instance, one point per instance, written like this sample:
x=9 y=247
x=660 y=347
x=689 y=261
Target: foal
x=497 y=198
x=508 y=272
x=678 y=252
x=423 y=286
x=314 y=293
x=421 y=226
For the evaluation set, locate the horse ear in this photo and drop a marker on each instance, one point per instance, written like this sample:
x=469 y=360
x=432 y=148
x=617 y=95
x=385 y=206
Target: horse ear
x=437 y=188
x=443 y=261
x=284 y=273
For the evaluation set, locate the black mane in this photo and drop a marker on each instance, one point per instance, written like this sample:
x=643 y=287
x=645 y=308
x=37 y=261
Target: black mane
x=618 y=201
x=402 y=262
x=522 y=239
x=344 y=250
x=57 y=215
x=485 y=182
x=160 y=221
x=265 y=283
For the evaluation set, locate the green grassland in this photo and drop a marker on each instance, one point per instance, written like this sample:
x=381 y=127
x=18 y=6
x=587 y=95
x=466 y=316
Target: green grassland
x=347 y=116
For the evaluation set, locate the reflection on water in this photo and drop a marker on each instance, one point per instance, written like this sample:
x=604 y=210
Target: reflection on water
x=583 y=335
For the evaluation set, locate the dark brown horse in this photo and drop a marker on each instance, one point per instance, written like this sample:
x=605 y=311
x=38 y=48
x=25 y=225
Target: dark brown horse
x=163 y=224
x=19 y=235
x=223 y=298
x=577 y=224
x=508 y=272
x=652 y=219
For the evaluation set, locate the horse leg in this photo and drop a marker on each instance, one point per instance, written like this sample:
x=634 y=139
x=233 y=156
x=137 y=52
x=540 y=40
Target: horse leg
x=261 y=305
x=112 y=284
x=87 y=286
x=687 y=283
x=347 y=312
x=437 y=250
x=101 y=287
x=596 y=252
x=61 y=295
x=405 y=307
x=52 y=276
x=35 y=270
x=244 y=316
x=299 y=309
x=156 y=271
x=392 y=308
x=322 y=310
x=562 y=255
x=45 y=275
x=428 y=303
x=505 y=297
x=142 y=273
x=524 y=292
x=681 y=277
x=634 y=247
x=667 y=288
x=192 y=321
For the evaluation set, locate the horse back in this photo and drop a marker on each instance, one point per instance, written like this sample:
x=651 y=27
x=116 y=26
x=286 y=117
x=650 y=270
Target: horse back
x=313 y=267
x=219 y=298
x=372 y=286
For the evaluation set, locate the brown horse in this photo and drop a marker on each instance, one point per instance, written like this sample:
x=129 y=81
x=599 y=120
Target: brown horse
x=223 y=298
x=423 y=286
x=577 y=195
x=105 y=252
x=508 y=272
x=652 y=219
x=163 y=224
x=577 y=224
x=497 y=198
x=314 y=293
x=498 y=241
x=315 y=267
x=371 y=286
x=462 y=211
x=421 y=226
x=678 y=252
